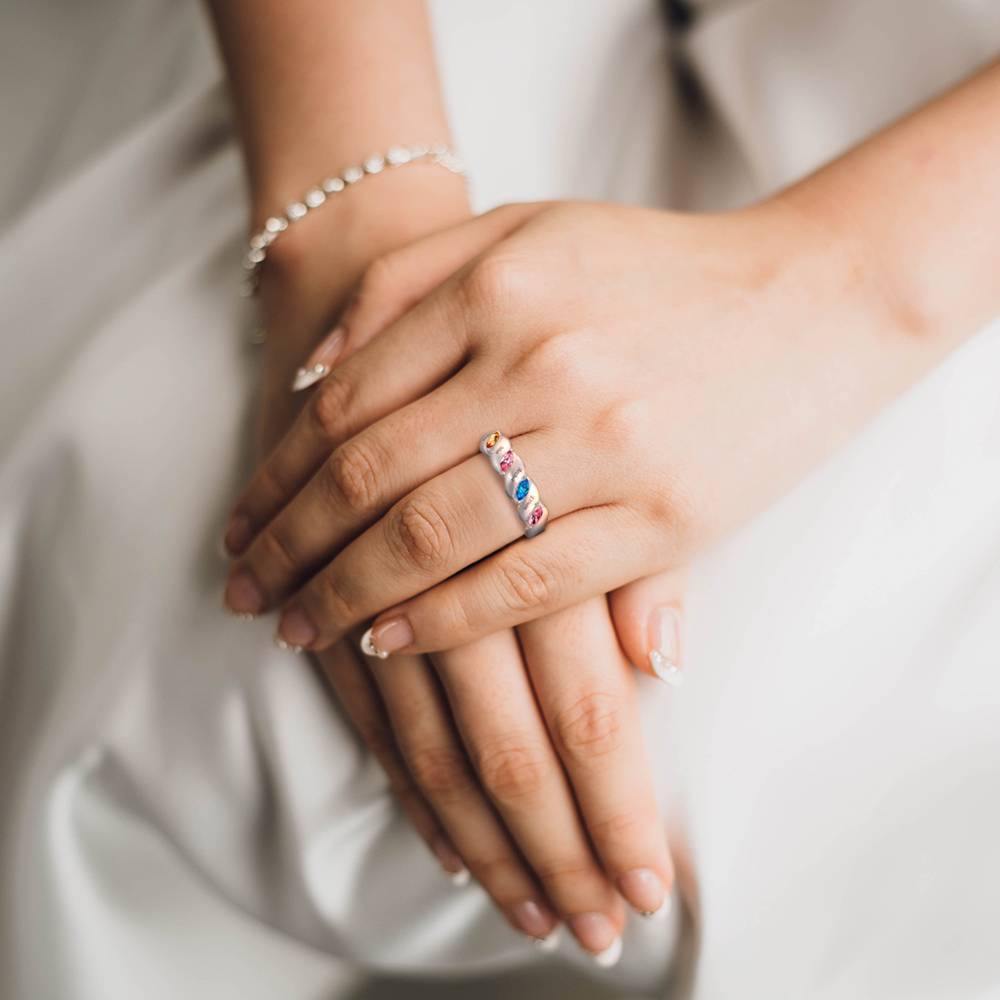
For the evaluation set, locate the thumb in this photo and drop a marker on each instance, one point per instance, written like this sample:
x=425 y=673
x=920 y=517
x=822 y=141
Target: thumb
x=648 y=616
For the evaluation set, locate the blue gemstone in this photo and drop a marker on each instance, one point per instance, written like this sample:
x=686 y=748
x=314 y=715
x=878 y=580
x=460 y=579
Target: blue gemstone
x=522 y=489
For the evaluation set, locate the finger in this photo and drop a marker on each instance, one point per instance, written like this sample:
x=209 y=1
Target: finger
x=507 y=741
x=586 y=691
x=355 y=691
x=435 y=758
x=351 y=490
x=446 y=524
x=397 y=281
x=648 y=616
x=585 y=553
x=408 y=366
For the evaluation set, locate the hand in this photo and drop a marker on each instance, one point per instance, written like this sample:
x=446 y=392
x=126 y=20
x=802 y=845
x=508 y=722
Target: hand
x=474 y=765
x=662 y=376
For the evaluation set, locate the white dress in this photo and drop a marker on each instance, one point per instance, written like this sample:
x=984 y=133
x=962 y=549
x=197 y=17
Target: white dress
x=184 y=813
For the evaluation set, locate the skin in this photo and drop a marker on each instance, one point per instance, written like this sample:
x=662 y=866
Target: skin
x=663 y=376
x=537 y=783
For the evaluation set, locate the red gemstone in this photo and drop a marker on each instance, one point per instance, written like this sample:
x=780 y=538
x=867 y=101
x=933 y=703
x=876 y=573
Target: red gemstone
x=536 y=515
x=507 y=461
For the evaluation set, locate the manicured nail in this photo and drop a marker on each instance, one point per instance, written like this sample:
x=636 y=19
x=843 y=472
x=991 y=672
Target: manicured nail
x=287 y=646
x=238 y=534
x=598 y=935
x=388 y=636
x=296 y=628
x=536 y=921
x=320 y=362
x=369 y=648
x=449 y=860
x=665 y=644
x=243 y=596
x=643 y=888
x=551 y=943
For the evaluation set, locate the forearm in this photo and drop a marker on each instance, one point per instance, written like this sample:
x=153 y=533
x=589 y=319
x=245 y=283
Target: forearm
x=920 y=205
x=319 y=84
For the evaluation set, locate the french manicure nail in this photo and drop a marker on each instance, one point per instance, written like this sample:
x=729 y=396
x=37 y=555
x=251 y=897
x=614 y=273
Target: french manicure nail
x=610 y=956
x=287 y=646
x=551 y=943
x=320 y=362
x=243 y=596
x=665 y=644
x=296 y=628
x=369 y=648
x=391 y=635
x=449 y=860
x=644 y=890
x=237 y=536
x=597 y=935
x=536 y=921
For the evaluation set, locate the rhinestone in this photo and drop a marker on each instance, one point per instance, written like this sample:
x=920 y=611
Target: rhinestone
x=491 y=441
x=276 y=224
x=353 y=174
x=397 y=156
x=507 y=461
x=522 y=489
x=537 y=512
x=332 y=185
x=256 y=256
x=374 y=165
x=315 y=198
x=296 y=211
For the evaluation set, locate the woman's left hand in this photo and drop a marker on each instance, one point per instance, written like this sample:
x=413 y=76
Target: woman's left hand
x=661 y=376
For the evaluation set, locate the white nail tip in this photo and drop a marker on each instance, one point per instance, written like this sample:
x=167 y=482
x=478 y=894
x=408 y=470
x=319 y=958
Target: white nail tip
x=306 y=377
x=287 y=646
x=610 y=956
x=459 y=879
x=549 y=944
x=665 y=645
x=369 y=648
x=660 y=913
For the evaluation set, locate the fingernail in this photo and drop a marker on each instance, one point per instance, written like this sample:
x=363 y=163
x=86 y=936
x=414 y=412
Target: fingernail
x=643 y=888
x=296 y=628
x=390 y=635
x=536 y=921
x=243 y=596
x=237 y=535
x=449 y=860
x=665 y=644
x=598 y=935
x=287 y=646
x=320 y=362
x=369 y=648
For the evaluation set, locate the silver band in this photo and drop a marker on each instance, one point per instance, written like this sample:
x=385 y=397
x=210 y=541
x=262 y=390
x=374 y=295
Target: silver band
x=517 y=484
x=397 y=156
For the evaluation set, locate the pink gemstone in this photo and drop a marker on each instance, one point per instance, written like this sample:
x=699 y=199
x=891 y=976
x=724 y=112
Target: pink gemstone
x=507 y=461
x=536 y=515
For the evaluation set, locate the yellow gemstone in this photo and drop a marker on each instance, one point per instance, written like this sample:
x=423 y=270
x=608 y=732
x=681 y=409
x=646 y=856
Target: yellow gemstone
x=491 y=441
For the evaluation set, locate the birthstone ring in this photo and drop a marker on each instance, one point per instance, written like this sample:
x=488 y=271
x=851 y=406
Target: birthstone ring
x=519 y=487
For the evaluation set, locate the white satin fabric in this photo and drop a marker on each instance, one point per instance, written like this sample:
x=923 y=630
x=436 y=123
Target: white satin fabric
x=184 y=812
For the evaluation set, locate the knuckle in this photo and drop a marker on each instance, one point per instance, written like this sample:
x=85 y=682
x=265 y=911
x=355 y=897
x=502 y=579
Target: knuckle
x=377 y=281
x=525 y=585
x=622 y=827
x=494 y=283
x=353 y=472
x=593 y=726
x=276 y=550
x=422 y=533
x=328 y=595
x=330 y=404
x=501 y=875
x=442 y=772
x=565 y=874
x=512 y=771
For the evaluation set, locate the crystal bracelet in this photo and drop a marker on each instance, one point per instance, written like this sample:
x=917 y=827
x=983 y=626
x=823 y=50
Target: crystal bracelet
x=397 y=156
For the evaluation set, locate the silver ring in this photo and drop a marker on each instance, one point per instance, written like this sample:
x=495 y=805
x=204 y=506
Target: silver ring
x=517 y=484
